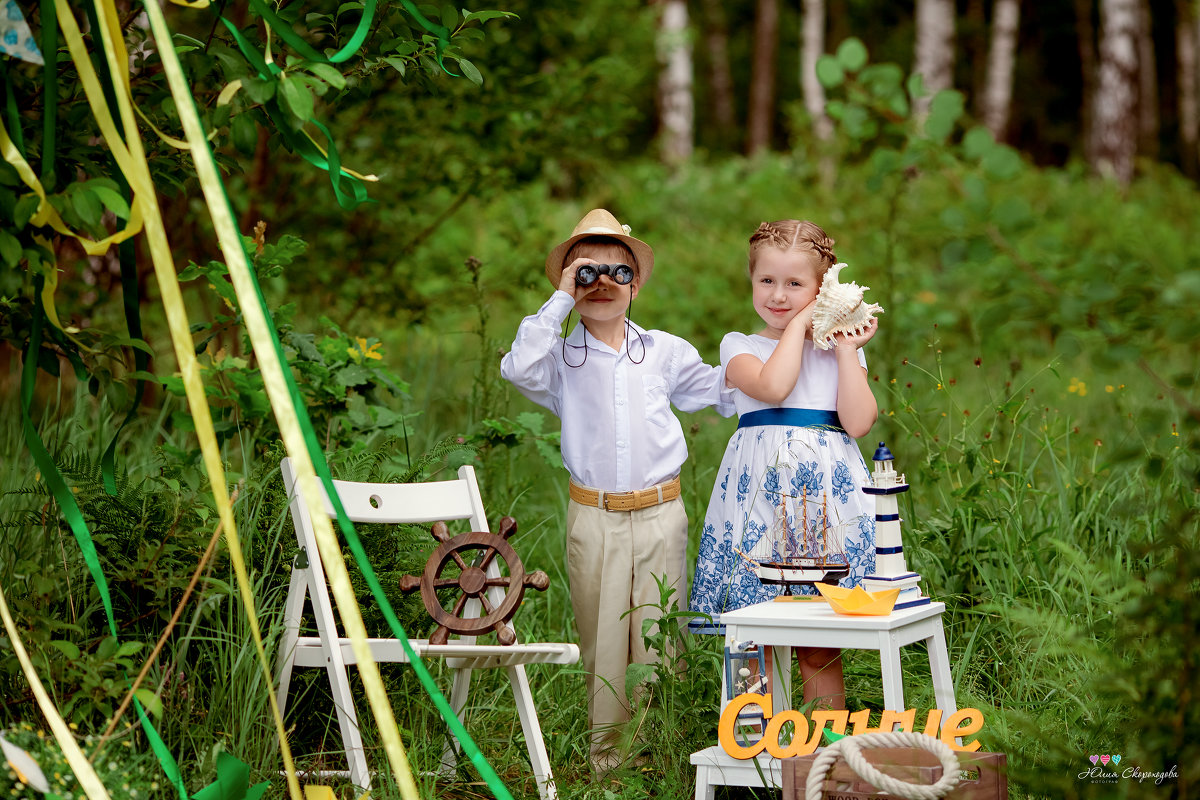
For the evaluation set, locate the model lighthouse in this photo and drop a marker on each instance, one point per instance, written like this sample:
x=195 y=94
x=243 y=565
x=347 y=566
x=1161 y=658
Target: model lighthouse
x=890 y=569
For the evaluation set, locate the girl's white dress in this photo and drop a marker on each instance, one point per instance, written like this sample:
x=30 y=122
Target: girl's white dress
x=816 y=472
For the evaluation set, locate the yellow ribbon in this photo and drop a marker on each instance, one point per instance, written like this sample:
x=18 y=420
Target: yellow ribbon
x=89 y=781
x=47 y=215
x=285 y=413
x=131 y=159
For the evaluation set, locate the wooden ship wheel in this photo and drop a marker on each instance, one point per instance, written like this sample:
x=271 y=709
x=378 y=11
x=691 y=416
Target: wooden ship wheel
x=473 y=582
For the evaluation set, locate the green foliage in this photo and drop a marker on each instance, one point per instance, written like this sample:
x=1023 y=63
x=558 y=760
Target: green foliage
x=665 y=695
x=343 y=383
x=123 y=770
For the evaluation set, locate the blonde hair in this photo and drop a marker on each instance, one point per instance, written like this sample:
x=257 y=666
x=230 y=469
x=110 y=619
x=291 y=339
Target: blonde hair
x=606 y=250
x=794 y=234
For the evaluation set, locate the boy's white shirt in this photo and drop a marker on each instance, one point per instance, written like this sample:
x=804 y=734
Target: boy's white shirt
x=618 y=431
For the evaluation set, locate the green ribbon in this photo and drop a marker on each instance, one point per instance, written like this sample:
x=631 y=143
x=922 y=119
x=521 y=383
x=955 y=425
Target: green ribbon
x=232 y=783
x=10 y=108
x=289 y=35
x=345 y=525
x=141 y=359
x=45 y=464
x=349 y=190
x=49 y=85
x=74 y=517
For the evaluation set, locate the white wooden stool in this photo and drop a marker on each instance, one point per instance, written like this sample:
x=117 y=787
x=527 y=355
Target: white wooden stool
x=782 y=625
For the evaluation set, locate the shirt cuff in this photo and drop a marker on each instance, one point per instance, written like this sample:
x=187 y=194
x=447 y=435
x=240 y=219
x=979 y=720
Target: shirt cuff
x=557 y=307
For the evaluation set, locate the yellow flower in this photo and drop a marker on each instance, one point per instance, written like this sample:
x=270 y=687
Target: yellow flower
x=1077 y=387
x=1109 y=388
x=363 y=351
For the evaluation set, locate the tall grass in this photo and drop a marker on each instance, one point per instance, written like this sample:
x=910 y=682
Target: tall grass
x=1053 y=505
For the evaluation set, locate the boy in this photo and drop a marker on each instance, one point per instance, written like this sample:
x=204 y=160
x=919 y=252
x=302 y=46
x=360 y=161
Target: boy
x=612 y=384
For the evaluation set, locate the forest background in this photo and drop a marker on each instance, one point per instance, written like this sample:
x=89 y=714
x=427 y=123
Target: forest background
x=1027 y=221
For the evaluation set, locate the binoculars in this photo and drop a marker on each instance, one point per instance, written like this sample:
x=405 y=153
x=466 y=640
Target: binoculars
x=587 y=274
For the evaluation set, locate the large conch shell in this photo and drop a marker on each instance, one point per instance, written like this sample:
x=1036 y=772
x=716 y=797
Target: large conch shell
x=840 y=309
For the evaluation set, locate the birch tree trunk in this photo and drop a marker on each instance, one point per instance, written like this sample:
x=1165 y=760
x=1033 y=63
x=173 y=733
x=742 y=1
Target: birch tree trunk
x=934 y=47
x=1185 y=50
x=812 y=46
x=720 y=77
x=997 y=96
x=1114 y=121
x=1147 y=114
x=761 y=112
x=676 y=110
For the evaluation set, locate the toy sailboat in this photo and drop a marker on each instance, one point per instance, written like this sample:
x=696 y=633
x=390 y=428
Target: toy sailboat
x=803 y=558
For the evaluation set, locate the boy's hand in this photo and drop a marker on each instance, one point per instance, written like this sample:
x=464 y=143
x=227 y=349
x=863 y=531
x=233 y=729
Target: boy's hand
x=566 y=282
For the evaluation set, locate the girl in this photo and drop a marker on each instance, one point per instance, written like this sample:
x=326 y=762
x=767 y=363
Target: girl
x=799 y=410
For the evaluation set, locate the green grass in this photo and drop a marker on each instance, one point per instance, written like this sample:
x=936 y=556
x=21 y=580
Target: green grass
x=1053 y=500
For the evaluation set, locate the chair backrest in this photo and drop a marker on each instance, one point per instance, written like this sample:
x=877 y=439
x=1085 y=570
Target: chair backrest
x=401 y=502
x=389 y=503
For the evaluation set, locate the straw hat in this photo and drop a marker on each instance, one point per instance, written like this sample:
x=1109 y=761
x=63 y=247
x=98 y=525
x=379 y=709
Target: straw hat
x=599 y=222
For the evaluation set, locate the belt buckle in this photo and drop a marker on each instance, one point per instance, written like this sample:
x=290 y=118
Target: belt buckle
x=618 y=495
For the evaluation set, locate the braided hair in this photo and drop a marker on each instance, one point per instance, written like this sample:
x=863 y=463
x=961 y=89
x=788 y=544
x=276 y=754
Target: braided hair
x=793 y=234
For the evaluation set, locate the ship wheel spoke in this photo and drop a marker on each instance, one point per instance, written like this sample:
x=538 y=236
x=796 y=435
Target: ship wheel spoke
x=486 y=558
x=459 y=605
x=458 y=560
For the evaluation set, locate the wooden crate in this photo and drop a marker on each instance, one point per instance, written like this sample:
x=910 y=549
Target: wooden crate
x=984 y=775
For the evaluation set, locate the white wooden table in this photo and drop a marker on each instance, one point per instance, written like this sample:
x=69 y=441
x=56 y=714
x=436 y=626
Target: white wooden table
x=782 y=625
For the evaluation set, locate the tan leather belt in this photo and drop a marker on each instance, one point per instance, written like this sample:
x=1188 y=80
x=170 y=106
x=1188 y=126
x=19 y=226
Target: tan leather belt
x=625 y=501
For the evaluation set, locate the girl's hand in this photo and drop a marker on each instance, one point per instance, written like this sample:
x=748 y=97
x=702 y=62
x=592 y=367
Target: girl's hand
x=853 y=341
x=801 y=324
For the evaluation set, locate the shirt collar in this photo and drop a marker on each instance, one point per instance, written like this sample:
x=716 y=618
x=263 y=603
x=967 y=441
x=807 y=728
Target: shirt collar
x=576 y=337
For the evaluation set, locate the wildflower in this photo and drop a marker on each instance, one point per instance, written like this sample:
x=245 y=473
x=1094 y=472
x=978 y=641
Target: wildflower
x=905 y=362
x=363 y=351
x=987 y=435
x=1109 y=388
x=978 y=361
x=893 y=380
x=939 y=388
x=1098 y=442
x=1173 y=431
x=1077 y=387
x=953 y=381
x=908 y=386
x=966 y=412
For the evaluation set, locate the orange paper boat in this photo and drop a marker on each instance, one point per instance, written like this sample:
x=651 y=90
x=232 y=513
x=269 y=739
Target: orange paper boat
x=858 y=602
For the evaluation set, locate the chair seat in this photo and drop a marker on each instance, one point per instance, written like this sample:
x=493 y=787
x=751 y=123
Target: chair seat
x=311 y=653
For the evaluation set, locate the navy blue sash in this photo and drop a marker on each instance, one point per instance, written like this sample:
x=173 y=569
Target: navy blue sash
x=792 y=417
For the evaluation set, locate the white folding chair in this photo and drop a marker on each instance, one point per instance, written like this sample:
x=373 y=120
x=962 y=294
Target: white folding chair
x=403 y=503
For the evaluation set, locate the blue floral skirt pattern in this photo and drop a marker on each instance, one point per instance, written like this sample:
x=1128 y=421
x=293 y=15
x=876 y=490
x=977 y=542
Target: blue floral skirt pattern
x=806 y=475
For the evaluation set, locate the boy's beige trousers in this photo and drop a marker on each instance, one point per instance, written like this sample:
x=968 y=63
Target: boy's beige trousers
x=613 y=558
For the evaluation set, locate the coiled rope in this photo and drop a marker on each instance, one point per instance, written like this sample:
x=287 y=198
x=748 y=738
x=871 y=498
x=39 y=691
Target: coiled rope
x=851 y=748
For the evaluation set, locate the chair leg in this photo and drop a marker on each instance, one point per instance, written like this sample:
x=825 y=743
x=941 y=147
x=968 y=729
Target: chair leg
x=286 y=655
x=538 y=757
x=339 y=684
x=459 y=689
